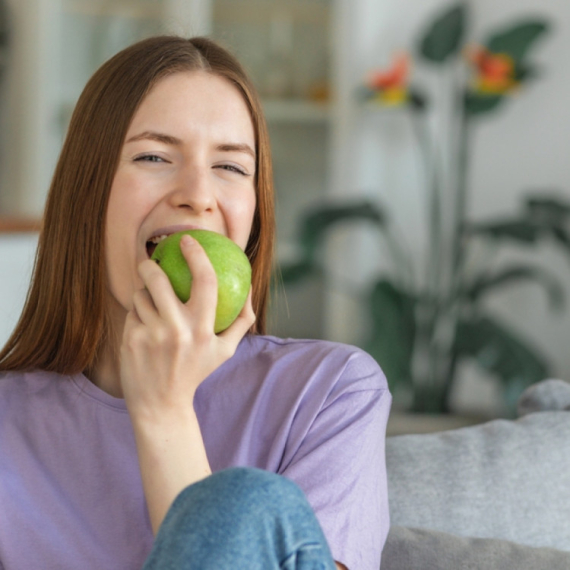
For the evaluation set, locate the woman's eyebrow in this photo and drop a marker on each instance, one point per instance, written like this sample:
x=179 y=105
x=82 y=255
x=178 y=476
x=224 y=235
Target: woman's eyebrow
x=236 y=147
x=154 y=136
x=171 y=140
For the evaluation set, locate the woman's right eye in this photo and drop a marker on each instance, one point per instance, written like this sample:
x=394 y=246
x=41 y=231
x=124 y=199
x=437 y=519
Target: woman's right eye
x=149 y=158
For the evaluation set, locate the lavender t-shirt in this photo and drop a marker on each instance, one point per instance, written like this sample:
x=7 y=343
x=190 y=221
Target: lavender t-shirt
x=70 y=489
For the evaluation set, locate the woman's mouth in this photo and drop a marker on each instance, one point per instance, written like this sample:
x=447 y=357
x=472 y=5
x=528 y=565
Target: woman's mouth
x=165 y=231
x=152 y=243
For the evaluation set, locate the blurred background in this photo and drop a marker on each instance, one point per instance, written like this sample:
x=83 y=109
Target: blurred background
x=366 y=130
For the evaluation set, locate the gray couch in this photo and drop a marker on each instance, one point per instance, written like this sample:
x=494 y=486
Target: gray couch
x=493 y=496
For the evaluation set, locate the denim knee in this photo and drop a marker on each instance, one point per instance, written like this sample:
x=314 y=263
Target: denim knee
x=248 y=492
x=242 y=514
x=254 y=486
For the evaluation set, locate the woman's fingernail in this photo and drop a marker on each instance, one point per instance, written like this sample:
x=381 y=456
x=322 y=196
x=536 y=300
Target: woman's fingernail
x=187 y=241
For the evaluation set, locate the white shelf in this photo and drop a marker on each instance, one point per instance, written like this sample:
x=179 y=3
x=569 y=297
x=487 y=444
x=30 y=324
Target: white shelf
x=136 y=9
x=296 y=111
x=260 y=11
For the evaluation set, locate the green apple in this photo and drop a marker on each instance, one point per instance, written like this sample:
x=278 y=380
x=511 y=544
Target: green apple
x=230 y=263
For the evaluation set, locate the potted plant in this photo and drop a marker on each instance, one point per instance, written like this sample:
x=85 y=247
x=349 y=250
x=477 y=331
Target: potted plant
x=420 y=330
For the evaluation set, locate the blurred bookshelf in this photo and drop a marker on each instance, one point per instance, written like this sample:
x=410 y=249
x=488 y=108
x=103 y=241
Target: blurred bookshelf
x=10 y=225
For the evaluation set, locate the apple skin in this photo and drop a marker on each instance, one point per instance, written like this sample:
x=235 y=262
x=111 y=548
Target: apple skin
x=230 y=263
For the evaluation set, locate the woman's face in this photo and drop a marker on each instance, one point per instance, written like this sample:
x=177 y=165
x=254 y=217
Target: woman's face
x=188 y=161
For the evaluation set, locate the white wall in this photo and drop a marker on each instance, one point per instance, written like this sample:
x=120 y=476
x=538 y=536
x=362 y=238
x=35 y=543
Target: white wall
x=523 y=147
x=17 y=252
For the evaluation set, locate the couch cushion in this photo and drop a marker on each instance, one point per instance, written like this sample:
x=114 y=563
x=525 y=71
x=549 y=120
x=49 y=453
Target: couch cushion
x=549 y=395
x=508 y=480
x=422 y=549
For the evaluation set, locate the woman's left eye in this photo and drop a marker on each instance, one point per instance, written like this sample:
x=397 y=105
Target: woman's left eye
x=233 y=168
x=149 y=158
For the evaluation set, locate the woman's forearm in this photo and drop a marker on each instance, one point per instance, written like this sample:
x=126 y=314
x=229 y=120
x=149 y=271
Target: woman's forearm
x=171 y=457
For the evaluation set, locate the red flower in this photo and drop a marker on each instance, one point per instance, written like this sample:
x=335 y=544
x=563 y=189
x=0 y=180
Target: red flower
x=391 y=85
x=494 y=72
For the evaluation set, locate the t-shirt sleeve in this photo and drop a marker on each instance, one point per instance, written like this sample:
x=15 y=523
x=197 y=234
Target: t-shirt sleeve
x=340 y=462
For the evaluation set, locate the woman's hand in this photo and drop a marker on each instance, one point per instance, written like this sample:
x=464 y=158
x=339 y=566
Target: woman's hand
x=168 y=349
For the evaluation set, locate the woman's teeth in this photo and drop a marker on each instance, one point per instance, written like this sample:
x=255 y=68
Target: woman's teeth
x=157 y=239
x=153 y=242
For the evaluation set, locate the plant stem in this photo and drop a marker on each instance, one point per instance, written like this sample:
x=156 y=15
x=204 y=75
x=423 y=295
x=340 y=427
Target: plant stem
x=433 y=175
x=425 y=375
x=458 y=237
x=401 y=259
x=461 y=200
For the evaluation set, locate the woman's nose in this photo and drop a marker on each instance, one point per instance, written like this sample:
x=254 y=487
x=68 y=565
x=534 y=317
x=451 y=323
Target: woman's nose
x=195 y=191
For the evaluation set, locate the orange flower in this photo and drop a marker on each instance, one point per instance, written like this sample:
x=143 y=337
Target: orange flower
x=495 y=72
x=390 y=86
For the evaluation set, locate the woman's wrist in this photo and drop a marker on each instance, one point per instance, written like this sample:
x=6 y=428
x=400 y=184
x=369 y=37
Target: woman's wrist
x=172 y=456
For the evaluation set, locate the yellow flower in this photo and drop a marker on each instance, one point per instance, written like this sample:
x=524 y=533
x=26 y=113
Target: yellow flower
x=392 y=96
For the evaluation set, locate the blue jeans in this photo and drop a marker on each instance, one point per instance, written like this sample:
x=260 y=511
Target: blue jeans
x=240 y=518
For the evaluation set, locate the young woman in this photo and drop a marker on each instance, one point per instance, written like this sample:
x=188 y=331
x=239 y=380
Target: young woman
x=122 y=415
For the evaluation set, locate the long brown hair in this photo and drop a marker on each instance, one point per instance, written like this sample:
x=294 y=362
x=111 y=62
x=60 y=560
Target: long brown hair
x=64 y=321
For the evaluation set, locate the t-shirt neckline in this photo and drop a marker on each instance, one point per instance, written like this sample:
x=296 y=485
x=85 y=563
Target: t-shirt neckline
x=94 y=392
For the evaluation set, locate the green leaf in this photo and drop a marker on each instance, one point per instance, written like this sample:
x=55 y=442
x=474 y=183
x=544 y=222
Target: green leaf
x=391 y=339
x=551 y=214
x=313 y=227
x=295 y=272
x=517 y=230
x=317 y=221
x=418 y=100
x=444 y=36
x=547 y=210
x=500 y=351
x=562 y=237
x=525 y=72
x=488 y=283
x=477 y=104
x=516 y=40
